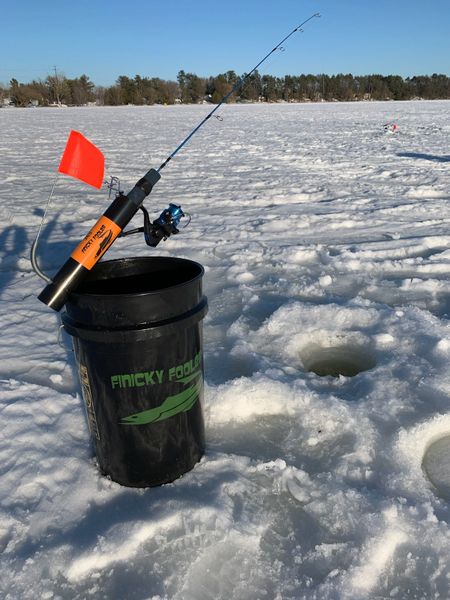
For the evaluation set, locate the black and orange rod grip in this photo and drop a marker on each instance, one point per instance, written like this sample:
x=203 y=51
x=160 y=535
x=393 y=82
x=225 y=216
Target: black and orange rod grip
x=94 y=245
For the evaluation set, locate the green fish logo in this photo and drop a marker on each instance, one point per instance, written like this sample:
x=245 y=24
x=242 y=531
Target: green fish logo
x=172 y=405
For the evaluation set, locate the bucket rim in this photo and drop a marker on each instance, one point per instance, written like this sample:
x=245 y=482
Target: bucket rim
x=200 y=275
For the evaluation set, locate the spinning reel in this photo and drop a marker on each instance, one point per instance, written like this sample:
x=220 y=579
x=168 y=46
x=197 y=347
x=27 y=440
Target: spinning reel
x=161 y=228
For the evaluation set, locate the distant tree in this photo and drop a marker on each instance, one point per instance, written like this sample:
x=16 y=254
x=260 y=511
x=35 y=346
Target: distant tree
x=166 y=91
x=127 y=89
x=181 y=79
x=232 y=77
x=39 y=91
x=99 y=93
x=113 y=96
x=307 y=87
x=270 y=88
x=344 y=89
x=439 y=86
x=287 y=92
x=417 y=86
x=146 y=89
x=16 y=96
x=59 y=90
x=20 y=93
x=251 y=89
x=81 y=90
x=143 y=92
x=397 y=88
x=362 y=87
x=192 y=87
x=220 y=87
x=379 y=89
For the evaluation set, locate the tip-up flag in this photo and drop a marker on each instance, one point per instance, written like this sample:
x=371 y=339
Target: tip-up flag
x=83 y=160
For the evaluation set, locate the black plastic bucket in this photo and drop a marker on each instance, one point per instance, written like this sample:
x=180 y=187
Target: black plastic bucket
x=136 y=325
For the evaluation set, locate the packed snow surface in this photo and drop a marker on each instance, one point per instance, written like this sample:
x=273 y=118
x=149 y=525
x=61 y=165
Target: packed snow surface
x=326 y=245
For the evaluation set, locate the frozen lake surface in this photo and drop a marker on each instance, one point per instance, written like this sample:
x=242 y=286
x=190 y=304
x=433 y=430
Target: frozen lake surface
x=326 y=245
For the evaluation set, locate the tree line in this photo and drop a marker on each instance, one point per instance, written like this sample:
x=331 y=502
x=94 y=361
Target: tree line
x=190 y=89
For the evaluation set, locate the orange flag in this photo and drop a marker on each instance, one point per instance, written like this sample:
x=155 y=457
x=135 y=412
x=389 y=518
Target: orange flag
x=83 y=160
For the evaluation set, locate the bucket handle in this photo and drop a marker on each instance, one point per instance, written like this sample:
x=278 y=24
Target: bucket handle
x=60 y=342
x=34 y=245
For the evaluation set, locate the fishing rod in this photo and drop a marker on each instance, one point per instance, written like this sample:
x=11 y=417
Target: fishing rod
x=239 y=83
x=123 y=208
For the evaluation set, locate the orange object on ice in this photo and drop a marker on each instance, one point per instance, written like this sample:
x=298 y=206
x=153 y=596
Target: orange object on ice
x=83 y=160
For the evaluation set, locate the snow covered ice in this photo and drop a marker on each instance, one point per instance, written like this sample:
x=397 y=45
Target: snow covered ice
x=324 y=238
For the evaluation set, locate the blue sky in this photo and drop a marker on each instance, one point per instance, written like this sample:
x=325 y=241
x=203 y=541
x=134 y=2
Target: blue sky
x=108 y=38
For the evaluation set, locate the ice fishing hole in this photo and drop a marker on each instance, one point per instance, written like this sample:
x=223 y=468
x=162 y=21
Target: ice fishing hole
x=343 y=360
x=436 y=465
